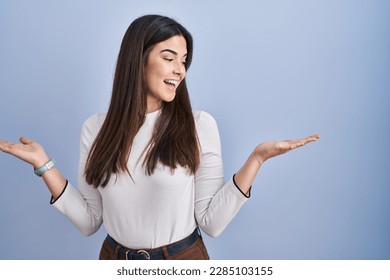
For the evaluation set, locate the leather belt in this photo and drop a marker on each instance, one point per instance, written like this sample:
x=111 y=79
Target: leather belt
x=153 y=254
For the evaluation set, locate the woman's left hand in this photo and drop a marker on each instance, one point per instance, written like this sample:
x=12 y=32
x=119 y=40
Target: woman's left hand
x=272 y=149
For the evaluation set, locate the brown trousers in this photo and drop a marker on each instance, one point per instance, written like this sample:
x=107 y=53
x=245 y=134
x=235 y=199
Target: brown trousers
x=196 y=251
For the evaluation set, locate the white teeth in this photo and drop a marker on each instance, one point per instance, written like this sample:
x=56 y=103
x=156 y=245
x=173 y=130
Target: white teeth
x=174 y=82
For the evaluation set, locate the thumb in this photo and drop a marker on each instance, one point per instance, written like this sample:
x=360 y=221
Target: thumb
x=25 y=140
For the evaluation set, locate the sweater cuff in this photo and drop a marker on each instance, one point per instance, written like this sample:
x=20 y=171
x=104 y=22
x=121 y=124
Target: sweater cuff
x=249 y=191
x=52 y=200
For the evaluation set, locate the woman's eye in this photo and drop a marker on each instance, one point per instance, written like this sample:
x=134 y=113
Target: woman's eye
x=168 y=59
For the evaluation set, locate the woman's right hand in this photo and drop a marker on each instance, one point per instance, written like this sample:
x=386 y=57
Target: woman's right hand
x=27 y=150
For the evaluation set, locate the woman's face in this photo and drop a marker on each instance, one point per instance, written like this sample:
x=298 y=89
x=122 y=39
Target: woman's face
x=164 y=70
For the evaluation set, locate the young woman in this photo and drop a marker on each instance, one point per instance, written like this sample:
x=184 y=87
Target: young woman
x=151 y=168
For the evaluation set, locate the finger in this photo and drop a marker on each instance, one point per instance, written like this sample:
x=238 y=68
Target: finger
x=25 y=140
x=307 y=139
x=302 y=142
x=5 y=146
x=4 y=143
x=290 y=145
x=312 y=138
x=297 y=144
x=293 y=144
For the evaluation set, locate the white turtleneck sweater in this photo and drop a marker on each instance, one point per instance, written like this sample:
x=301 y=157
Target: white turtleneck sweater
x=159 y=209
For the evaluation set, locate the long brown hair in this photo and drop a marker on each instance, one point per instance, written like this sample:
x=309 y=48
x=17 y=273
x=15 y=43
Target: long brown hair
x=174 y=141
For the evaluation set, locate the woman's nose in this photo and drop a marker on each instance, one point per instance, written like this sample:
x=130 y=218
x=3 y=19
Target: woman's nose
x=179 y=69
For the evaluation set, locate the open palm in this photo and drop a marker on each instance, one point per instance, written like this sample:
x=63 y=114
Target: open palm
x=272 y=149
x=27 y=150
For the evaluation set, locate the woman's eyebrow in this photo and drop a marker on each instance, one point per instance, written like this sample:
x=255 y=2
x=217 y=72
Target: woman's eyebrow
x=171 y=51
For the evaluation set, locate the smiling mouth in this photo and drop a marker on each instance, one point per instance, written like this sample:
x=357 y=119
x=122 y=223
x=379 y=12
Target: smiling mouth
x=171 y=83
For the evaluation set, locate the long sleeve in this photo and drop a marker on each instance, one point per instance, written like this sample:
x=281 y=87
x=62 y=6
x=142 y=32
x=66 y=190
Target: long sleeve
x=148 y=211
x=216 y=203
x=83 y=207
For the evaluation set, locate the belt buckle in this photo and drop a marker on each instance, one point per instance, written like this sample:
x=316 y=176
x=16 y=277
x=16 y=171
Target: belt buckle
x=143 y=252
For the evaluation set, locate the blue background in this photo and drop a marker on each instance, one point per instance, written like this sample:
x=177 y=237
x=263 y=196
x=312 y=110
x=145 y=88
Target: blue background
x=266 y=70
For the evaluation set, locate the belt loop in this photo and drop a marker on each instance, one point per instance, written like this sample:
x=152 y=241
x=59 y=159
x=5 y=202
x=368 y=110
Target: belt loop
x=165 y=252
x=117 y=247
x=199 y=232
